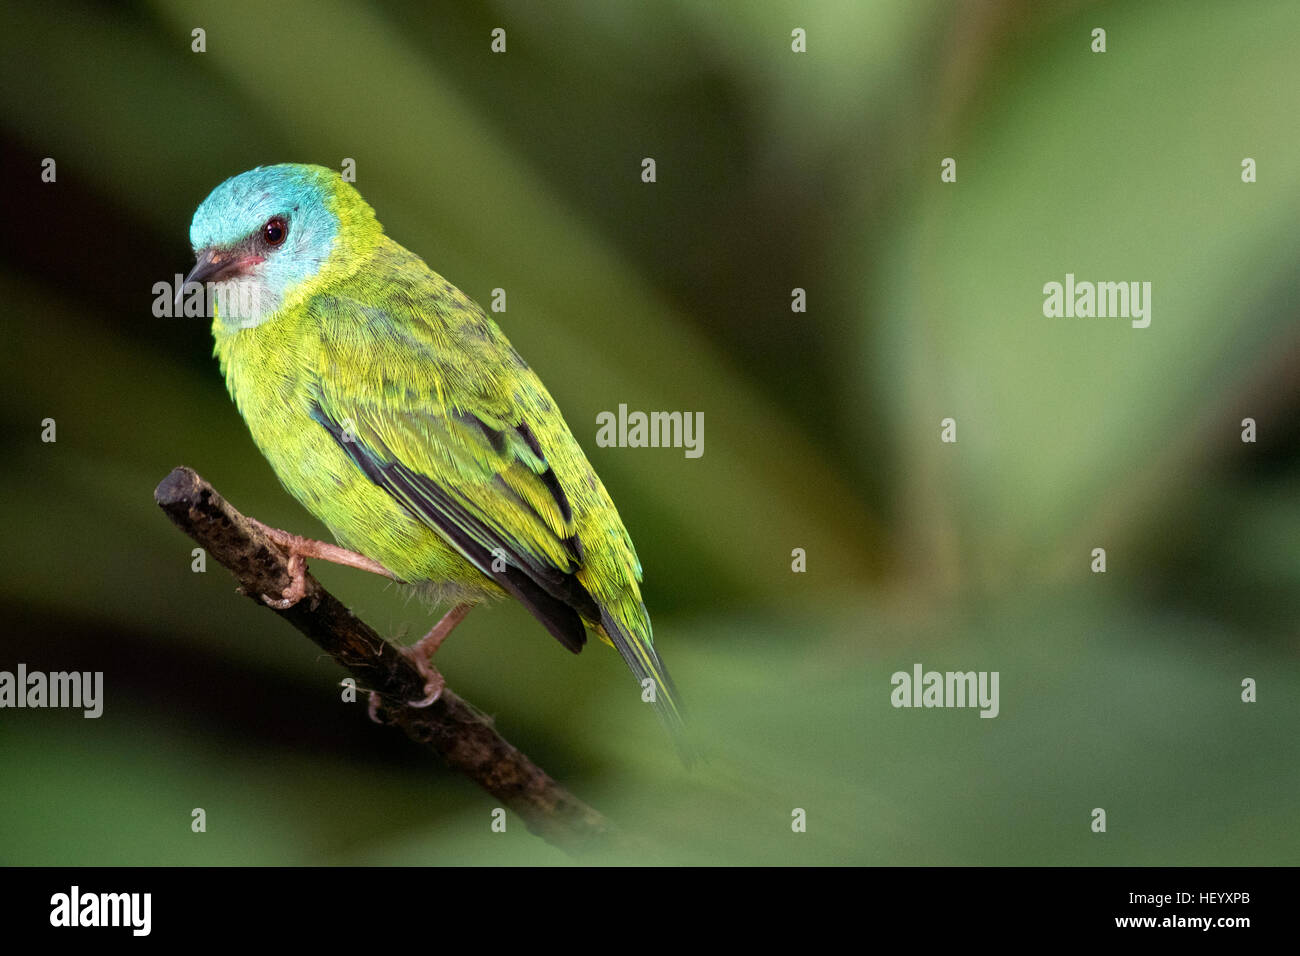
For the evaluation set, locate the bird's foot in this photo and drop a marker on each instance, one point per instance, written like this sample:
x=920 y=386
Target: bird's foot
x=434 y=683
x=421 y=655
x=297 y=588
x=299 y=549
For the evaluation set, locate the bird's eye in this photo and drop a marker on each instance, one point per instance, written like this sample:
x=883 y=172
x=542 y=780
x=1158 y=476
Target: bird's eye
x=275 y=231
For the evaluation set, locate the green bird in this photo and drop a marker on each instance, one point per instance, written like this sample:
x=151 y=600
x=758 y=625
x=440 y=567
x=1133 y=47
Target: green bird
x=395 y=410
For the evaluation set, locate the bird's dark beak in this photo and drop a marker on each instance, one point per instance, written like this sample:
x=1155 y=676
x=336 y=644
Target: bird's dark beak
x=214 y=265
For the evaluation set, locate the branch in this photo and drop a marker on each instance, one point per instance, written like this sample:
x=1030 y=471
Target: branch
x=450 y=727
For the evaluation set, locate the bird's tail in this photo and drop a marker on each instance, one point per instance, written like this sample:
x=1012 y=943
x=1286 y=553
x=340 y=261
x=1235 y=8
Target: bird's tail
x=660 y=691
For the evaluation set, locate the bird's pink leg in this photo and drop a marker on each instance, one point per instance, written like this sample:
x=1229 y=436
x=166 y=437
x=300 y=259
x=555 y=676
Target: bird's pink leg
x=299 y=549
x=428 y=645
x=421 y=655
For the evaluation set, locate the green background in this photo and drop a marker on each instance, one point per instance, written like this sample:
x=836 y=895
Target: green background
x=776 y=170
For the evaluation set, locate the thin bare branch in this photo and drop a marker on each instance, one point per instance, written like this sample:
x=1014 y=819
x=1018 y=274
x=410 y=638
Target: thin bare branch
x=450 y=727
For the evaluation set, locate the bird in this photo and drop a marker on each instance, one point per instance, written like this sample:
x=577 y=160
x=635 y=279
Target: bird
x=395 y=410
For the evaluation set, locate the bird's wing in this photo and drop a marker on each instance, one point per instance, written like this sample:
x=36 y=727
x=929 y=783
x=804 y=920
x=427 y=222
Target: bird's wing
x=484 y=484
x=431 y=402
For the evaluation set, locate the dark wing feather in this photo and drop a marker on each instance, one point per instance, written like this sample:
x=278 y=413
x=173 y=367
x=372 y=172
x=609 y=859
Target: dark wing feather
x=551 y=593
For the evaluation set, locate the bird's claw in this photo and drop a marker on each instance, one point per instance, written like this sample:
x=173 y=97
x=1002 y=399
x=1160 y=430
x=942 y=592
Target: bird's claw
x=434 y=682
x=377 y=707
x=297 y=589
x=433 y=688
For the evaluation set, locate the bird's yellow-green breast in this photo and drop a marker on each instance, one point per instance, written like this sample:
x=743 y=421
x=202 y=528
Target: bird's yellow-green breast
x=397 y=412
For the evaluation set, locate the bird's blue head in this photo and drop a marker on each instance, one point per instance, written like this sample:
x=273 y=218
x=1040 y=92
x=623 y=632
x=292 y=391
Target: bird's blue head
x=261 y=235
